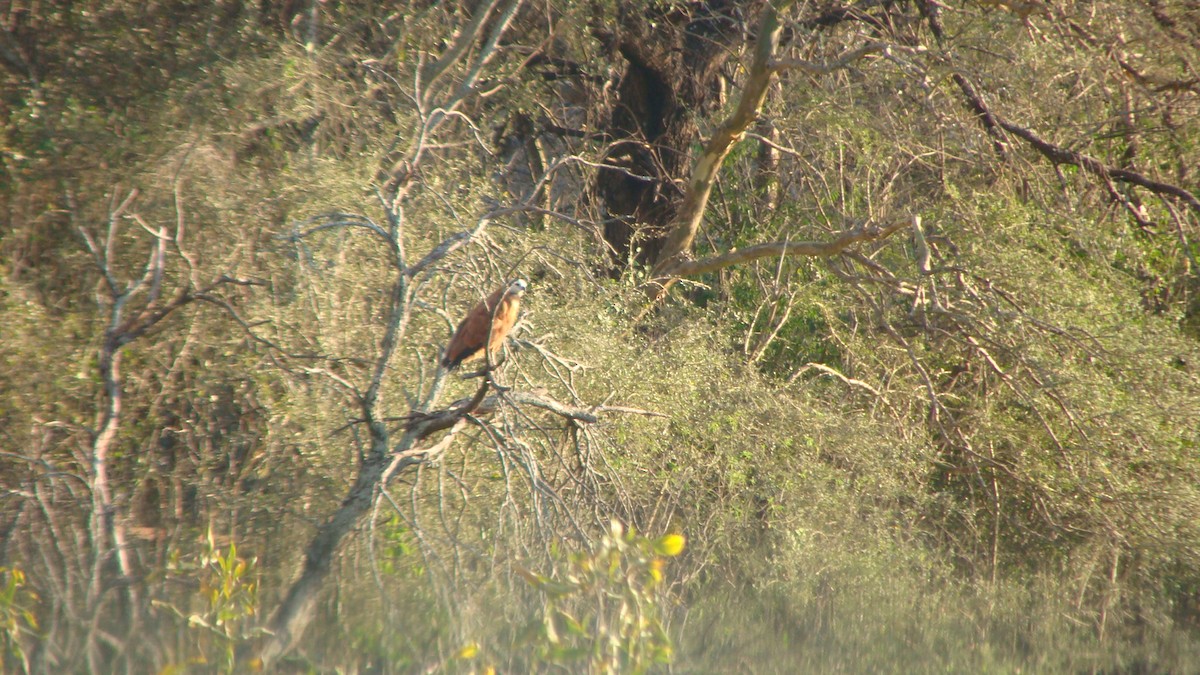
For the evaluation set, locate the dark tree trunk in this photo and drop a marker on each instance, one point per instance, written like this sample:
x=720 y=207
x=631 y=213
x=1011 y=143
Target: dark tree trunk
x=674 y=54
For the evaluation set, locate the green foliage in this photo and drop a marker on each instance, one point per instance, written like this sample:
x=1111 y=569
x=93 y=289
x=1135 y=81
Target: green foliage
x=18 y=622
x=987 y=466
x=228 y=603
x=602 y=613
x=394 y=541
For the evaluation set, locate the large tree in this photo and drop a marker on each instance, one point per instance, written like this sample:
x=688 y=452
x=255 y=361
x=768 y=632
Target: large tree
x=937 y=347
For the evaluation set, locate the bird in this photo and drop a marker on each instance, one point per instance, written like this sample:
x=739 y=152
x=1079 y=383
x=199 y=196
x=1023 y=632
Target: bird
x=486 y=326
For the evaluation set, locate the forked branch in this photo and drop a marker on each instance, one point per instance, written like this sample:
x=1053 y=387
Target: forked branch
x=674 y=259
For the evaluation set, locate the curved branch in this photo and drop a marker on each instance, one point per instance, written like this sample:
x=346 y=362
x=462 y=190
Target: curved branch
x=826 y=67
x=339 y=220
x=1060 y=155
x=815 y=249
x=673 y=258
x=691 y=212
x=465 y=37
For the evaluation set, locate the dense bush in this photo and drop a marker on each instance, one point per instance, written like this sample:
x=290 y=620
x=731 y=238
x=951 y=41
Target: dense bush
x=236 y=237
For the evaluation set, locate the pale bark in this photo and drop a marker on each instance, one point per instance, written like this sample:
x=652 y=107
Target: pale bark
x=382 y=462
x=691 y=212
x=435 y=103
x=293 y=615
x=126 y=324
x=674 y=260
x=814 y=249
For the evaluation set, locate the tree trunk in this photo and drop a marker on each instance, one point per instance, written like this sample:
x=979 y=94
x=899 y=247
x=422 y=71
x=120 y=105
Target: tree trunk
x=296 y=611
x=673 y=55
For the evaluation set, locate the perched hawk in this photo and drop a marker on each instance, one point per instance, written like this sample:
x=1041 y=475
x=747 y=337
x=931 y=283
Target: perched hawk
x=486 y=326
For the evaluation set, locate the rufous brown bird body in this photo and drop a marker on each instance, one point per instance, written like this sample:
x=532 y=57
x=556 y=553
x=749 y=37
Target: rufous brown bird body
x=486 y=326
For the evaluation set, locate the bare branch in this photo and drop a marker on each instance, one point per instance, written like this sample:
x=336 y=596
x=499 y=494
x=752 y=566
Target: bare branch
x=1060 y=155
x=835 y=373
x=453 y=243
x=817 y=249
x=340 y=220
x=113 y=218
x=433 y=72
x=480 y=406
x=673 y=259
x=686 y=224
x=487 y=52
x=824 y=68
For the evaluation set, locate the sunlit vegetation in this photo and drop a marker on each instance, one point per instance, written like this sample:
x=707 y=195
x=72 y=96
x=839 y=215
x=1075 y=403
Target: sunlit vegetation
x=859 y=337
